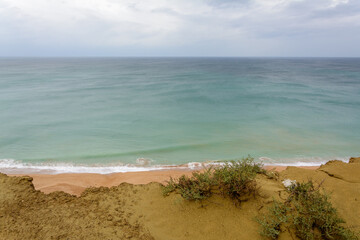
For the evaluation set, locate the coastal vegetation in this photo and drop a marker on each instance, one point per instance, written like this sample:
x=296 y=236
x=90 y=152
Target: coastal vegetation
x=235 y=179
x=308 y=213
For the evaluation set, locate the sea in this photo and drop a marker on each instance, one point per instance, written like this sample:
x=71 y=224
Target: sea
x=105 y=115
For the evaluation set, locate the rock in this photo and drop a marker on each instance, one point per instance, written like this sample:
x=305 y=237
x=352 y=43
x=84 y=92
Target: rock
x=354 y=160
x=288 y=182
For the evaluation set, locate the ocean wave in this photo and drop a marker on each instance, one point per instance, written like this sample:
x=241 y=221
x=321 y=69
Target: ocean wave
x=300 y=161
x=11 y=166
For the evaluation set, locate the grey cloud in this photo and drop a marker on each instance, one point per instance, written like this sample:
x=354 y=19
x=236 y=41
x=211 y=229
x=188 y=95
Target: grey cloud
x=348 y=10
x=166 y=11
x=181 y=27
x=230 y=3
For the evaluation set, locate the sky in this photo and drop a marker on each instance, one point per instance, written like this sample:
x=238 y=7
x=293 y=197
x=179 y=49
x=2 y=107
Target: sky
x=243 y=28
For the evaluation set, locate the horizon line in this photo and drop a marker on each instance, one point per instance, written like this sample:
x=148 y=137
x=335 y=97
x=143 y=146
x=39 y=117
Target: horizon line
x=178 y=56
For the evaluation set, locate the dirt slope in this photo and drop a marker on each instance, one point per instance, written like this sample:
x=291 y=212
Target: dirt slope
x=131 y=211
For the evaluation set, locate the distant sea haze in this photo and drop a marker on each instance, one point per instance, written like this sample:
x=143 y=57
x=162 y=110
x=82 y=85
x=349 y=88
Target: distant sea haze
x=123 y=114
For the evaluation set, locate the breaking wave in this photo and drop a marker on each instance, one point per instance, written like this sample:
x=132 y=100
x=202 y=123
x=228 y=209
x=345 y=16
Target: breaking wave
x=11 y=166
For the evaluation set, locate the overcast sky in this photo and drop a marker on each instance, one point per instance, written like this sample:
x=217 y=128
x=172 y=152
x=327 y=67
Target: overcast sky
x=180 y=28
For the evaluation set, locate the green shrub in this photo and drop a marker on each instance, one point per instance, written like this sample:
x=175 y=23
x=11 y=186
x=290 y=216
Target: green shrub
x=307 y=211
x=169 y=187
x=196 y=187
x=271 y=224
x=313 y=210
x=235 y=179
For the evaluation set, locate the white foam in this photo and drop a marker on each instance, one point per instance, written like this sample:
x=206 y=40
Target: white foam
x=194 y=165
x=11 y=166
x=300 y=161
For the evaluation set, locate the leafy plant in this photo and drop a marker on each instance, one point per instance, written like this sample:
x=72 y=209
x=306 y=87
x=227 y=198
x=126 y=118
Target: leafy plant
x=307 y=211
x=196 y=187
x=271 y=224
x=235 y=179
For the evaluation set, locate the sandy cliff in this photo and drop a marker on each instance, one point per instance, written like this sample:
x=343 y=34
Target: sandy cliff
x=128 y=211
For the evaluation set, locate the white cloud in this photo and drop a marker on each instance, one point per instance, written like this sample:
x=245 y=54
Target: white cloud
x=334 y=3
x=176 y=26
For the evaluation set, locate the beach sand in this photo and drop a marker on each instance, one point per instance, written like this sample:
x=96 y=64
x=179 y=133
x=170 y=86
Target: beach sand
x=76 y=183
x=134 y=207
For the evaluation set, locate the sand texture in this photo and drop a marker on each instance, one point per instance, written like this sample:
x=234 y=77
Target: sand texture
x=128 y=211
x=76 y=183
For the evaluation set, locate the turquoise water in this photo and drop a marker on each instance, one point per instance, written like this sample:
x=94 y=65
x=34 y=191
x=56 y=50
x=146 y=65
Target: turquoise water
x=112 y=111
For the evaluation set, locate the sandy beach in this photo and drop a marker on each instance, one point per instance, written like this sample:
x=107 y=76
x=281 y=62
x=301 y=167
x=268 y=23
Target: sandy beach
x=131 y=205
x=76 y=183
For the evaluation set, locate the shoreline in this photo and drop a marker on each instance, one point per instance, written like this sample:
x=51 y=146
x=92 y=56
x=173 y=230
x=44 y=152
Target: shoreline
x=12 y=167
x=76 y=183
x=18 y=167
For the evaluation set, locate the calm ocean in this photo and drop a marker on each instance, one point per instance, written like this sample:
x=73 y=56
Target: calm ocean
x=126 y=114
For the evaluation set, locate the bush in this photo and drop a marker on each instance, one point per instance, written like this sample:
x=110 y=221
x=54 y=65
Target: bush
x=196 y=187
x=271 y=224
x=235 y=179
x=307 y=211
